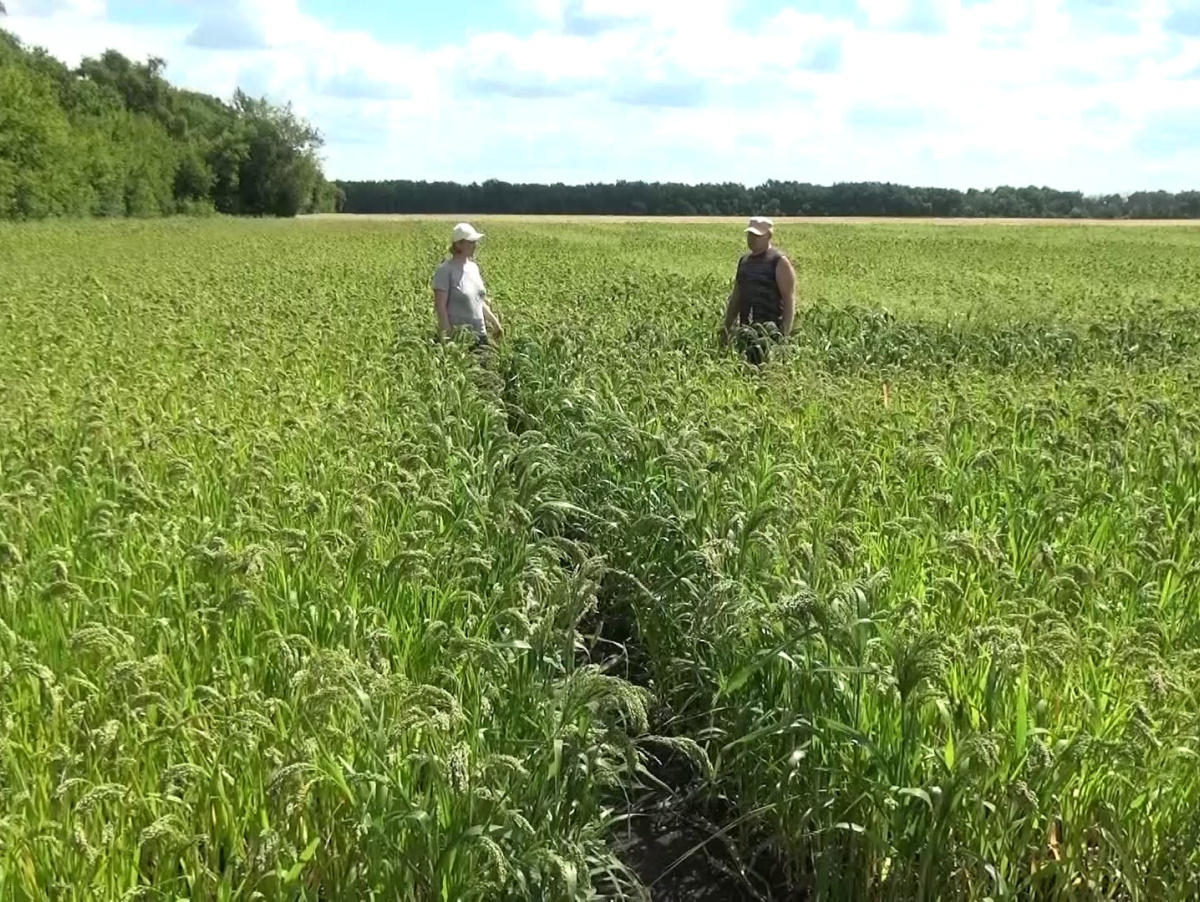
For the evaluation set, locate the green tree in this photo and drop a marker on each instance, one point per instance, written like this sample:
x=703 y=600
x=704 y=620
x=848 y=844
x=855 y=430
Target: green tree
x=39 y=172
x=280 y=170
x=113 y=137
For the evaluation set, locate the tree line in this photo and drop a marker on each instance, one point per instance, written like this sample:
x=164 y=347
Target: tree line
x=111 y=137
x=773 y=198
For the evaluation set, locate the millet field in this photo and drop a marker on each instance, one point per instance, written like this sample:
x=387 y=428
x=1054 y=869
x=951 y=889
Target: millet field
x=297 y=603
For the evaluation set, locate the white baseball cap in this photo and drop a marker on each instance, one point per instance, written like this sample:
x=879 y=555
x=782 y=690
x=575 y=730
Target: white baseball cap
x=464 y=231
x=760 y=225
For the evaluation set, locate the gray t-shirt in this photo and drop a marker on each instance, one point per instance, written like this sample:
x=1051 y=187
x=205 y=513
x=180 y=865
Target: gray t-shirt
x=464 y=286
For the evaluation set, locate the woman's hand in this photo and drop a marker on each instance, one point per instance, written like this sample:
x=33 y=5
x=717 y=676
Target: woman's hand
x=492 y=321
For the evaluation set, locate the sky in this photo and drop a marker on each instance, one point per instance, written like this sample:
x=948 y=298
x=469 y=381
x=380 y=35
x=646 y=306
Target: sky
x=1093 y=95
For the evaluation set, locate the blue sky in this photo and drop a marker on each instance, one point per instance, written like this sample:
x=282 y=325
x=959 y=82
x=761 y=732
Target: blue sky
x=1099 y=95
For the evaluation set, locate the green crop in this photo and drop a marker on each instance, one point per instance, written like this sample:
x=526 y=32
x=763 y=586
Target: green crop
x=298 y=603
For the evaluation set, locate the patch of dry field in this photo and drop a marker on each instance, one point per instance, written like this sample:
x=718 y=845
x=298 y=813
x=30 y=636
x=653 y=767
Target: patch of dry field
x=782 y=220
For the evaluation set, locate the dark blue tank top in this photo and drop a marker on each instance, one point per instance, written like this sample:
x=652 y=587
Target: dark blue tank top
x=759 y=298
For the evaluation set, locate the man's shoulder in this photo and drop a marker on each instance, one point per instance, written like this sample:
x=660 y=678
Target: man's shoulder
x=780 y=258
x=770 y=255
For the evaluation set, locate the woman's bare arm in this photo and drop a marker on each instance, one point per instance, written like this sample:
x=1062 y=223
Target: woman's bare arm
x=492 y=320
x=441 y=304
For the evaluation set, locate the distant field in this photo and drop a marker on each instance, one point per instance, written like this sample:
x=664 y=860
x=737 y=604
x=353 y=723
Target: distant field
x=296 y=603
x=695 y=220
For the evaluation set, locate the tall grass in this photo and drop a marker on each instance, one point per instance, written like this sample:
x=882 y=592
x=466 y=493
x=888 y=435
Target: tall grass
x=296 y=604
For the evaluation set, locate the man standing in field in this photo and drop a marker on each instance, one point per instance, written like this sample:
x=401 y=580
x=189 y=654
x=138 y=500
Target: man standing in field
x=764 y=289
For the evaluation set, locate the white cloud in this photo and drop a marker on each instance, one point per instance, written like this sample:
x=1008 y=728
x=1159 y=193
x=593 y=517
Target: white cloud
x=254 y=25
x=590 y=17
x=83 y=9
x=1059 y=92
x=923 y=16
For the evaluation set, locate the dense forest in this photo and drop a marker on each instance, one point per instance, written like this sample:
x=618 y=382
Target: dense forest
x=773 y=198
x=113 y=138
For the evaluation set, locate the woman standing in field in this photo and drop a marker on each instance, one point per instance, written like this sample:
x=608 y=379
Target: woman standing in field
x=459 y=295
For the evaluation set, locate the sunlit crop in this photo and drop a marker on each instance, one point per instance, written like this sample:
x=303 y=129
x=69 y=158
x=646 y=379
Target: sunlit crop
x=297 y=603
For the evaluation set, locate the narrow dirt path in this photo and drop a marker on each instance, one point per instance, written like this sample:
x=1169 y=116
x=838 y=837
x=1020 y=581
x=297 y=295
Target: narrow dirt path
x=666 y=838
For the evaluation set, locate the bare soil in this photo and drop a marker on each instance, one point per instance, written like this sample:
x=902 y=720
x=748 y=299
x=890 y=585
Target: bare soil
x=679 y=863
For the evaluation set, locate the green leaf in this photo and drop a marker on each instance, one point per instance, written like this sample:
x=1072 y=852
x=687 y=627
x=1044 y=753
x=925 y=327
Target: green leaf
x=914 y=792
x=743 y=674
x=293 y=873
x=1022 y=725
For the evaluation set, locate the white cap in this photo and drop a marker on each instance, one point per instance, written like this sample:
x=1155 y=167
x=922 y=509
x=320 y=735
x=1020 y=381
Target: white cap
x=760 y=225
x=464 y=231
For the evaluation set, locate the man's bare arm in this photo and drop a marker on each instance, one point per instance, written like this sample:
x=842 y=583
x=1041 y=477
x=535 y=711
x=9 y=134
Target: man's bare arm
x=731 y=313
x=785 y=278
